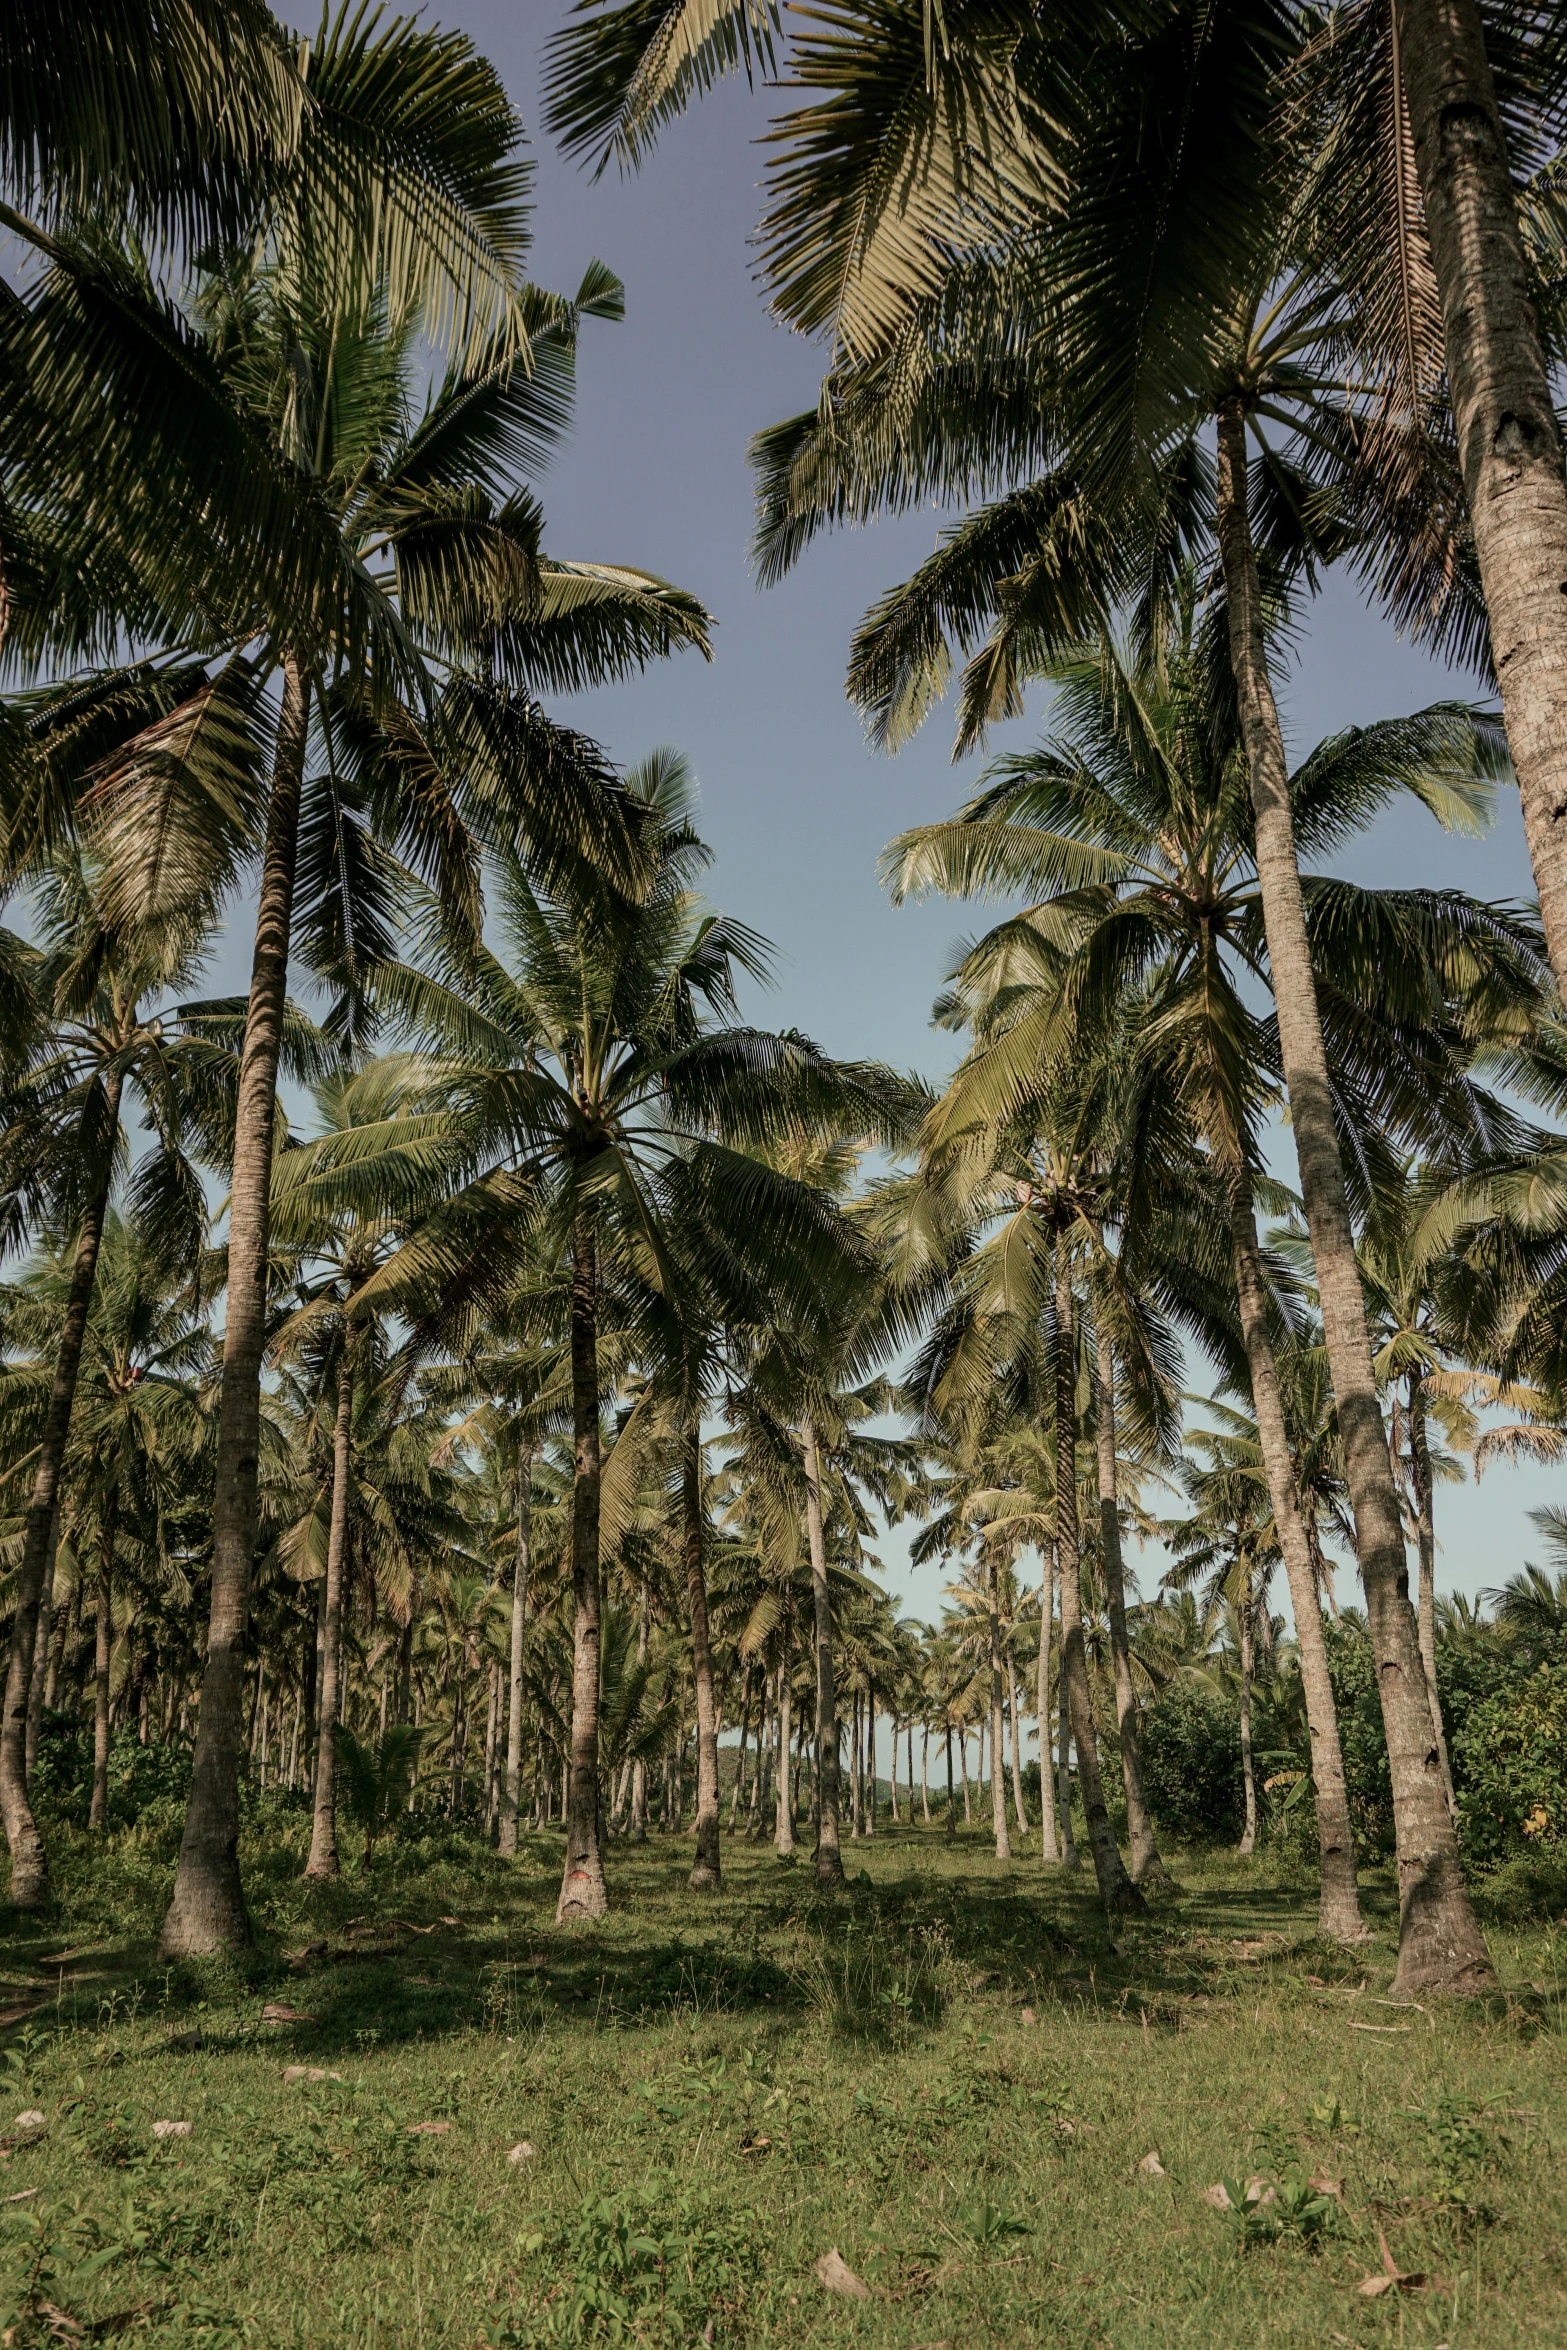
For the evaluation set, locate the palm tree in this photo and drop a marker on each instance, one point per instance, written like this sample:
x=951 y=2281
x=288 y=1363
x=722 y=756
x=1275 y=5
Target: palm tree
x=1135 y=826
x=614 y=1124
x=96 y=993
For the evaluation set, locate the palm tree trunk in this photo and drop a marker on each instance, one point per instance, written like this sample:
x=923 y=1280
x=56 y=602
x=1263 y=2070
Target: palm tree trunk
x=870 y=1762
x=323 y=1828
x=29 y=1869
x=707 y=1867
x=583 y=1893
x=952 y=1810
x=756 y=1816
x=1116 y=1889
x=512 y=1797
x=103 y=1652
x=38 y=1678
x=925 y=1773
x=1440 y=1944
x=1509 y=444
x=1049 y=1849
x=208 y=1912
x=783 y=1830
x=1248 y=1775
x=968 y=1814
x=1338 y=1903
x=1147 y=1865
x=829 y=1858
x=639 y=1767
x=855 y=1784
x=1017 y=1748
x=745 y=1730
x=1425 y=1524
x=998 y=1783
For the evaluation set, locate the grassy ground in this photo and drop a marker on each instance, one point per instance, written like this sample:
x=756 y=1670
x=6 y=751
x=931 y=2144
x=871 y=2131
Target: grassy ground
x=951 y=2074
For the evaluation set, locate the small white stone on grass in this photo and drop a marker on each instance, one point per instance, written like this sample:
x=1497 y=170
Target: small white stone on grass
x=31 y=2120
x=308 y=2072
x=833 y=2271
x=171 y=2129
x=1151 y=2167
x=523 y=2151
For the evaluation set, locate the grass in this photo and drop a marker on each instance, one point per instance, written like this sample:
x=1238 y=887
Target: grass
x=950 y=2073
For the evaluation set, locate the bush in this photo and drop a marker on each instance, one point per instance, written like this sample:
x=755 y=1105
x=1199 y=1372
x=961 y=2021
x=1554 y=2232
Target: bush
x=1192 y=1763
x=1510 y=1767
x=1352 y=1668
x=148 y=1785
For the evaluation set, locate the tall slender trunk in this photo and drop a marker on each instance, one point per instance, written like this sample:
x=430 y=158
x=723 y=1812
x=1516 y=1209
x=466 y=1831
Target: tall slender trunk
x=1425 y=1526
x=707 y=1867
x=38 y=1677
x=856 y=1791
x=1116 y=1889
x=756 y=1815
x=745 y=1729
x=1509 y=443
x=1049 y=1849
x=1071 y=1858
x=583 y=1893
x=1017 y=1747
x=870 y=1762
x=512 y=1795
x=1147 y=1865
x=925 y=1773
x=1248 y=1774
x=491 y=1718
x=207 y=1912
x=323 y=1828
x=968 y=1814
x=1338 y=1902
x=783 y=1831
x=639 y=1767
x=952 y=1813
x=829 y=1858
x=29 y=1868
x=1440 y=1944
x=998 y=1783
x=103 y=1653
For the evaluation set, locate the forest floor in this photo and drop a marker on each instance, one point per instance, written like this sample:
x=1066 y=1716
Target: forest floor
x=951 y=2075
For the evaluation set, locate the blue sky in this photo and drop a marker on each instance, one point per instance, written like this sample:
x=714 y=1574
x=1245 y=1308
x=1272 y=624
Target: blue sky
x=795 y=803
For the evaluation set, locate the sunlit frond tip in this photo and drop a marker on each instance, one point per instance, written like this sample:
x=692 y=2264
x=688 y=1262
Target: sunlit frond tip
x=615 y=76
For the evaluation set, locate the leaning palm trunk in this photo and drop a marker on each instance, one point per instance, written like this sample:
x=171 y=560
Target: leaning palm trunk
x=706 y=1868
x=1509 y=443
x=1146 y=1862
x=29 y=1869
x=1440 y=1944
x=582 y=1890
x=208 y=1912
x=1248 y=1773
x=1425 y=1527
x=998 y=1784
x=829 y=1858
x=323 y=1829
x=1049 y=1849
x=103 y=1653
x=1116 y=1889
x=1338 y=1902
x=511 y=1797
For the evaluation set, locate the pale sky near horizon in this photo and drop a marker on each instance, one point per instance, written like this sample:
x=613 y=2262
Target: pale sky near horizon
x=796 y=805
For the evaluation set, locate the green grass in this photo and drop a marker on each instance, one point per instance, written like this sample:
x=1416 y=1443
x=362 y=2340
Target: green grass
x=950 y=2073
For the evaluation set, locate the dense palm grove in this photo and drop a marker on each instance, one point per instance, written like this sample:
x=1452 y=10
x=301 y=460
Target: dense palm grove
x=470 y=1374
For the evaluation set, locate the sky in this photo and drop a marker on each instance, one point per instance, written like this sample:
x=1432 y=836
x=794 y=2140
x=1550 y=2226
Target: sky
x=795 y=803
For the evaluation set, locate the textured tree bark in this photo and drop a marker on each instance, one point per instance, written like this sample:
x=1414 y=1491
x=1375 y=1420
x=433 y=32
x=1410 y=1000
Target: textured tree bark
x=1248 y=1775
x=1116 y=1890
x=208 y=1912
x=1425 y=1525
x=639 y=1768
x=1018 y=1804
x=1440 y=1944
x=511 y=1797
x=968 y=1814
x=323 y=1827
x=870 y=1762
x=29 y=1869
x=707 y=1867
x=925 y=1773
x=583 y=1893
x=952 y=1816
x=783 y=1823
x=829 y=1857
x=1338 y=1900
x=38 y=1679
x=1049 y=1848
x=1147 y=1865
x=103 y=1651
x=1509 y=444
x=998 y=1783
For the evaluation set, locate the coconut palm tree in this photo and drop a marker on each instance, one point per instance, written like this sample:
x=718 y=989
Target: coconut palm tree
x=1134 y=830
x=616 y=1120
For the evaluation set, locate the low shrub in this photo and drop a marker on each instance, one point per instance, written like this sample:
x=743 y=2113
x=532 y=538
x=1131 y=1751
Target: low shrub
x=1510 y=1767
x=1192 y=1763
